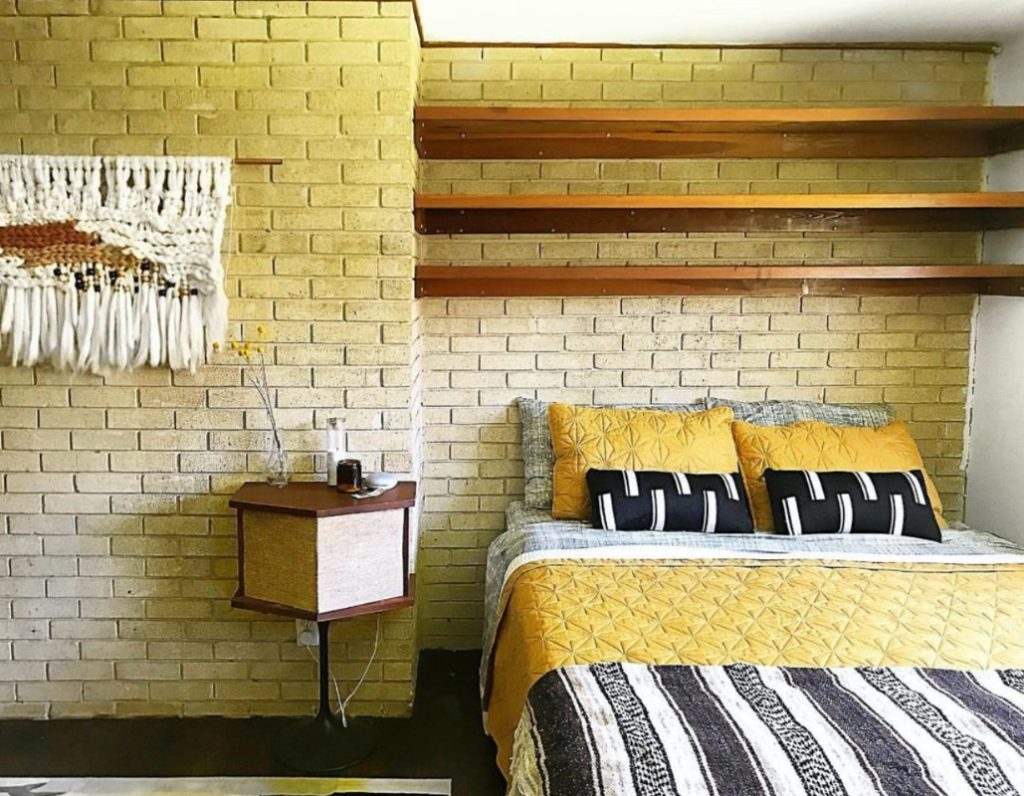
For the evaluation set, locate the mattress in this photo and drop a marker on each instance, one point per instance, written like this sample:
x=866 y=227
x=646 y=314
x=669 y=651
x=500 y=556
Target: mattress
x=561 y=594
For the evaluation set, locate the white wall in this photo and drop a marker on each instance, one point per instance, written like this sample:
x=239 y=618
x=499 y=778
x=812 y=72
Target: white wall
x=1006 y=172
x=995 y=494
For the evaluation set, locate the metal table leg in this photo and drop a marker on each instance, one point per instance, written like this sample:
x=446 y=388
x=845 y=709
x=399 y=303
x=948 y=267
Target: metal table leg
x=322 y=743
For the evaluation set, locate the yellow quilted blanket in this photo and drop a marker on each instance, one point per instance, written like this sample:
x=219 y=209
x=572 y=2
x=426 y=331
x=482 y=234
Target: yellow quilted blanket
x=807 y=612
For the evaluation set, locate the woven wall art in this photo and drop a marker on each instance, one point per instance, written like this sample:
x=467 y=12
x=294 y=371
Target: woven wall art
x=112 y=263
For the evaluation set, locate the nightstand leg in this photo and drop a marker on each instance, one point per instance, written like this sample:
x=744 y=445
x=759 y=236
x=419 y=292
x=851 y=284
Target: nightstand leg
x=322 y=743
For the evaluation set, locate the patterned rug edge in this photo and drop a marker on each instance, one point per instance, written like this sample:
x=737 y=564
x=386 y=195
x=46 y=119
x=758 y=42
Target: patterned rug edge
x=221 y=786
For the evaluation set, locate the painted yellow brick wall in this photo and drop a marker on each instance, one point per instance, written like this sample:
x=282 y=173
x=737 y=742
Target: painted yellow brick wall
x=617 y=77
x=116 y=543
x=116 y=540
x=911 y=352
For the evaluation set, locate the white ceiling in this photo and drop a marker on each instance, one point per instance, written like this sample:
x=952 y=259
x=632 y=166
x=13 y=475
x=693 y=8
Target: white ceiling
x=720 y=21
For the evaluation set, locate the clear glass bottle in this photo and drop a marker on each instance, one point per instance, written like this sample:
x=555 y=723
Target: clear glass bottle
x=277 y=465
x=335 y=448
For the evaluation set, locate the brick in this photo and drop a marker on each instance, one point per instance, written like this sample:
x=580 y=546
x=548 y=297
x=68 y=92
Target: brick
x=369 y=29
x=343 y=53
x=162 y=76
x=15 y=28
x=203 y=52
x=723 y=72
x=232 y=29
x=191 y=8
x=163 y=27
x=231 y=76
x=269 y=53
x=53 y=50
x=21 y=75
x=90 y=75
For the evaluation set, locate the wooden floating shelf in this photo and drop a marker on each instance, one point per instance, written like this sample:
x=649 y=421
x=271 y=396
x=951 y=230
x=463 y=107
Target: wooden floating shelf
x=846 y=212
x=258 y=161
x=504 y=281
x=508 y=133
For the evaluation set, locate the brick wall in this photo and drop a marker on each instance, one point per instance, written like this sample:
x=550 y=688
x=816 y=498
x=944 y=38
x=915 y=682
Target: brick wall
x=911 y=352
x=116 y=541
x=116 y=544
x=617 y=77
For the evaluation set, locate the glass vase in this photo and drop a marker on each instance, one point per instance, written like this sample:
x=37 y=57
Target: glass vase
x=277 y=466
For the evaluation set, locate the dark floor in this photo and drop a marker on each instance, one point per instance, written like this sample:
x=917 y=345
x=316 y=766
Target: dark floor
x=443 y=739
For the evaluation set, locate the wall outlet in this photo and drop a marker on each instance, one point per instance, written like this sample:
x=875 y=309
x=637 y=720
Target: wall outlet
x=306 y=633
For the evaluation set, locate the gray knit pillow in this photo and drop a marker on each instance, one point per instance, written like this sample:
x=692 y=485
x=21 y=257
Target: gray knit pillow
x=784 y=413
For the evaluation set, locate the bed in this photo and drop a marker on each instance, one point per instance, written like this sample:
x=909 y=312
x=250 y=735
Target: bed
x=663 y=663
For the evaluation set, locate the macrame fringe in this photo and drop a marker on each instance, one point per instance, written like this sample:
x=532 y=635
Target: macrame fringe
x=115 y=328
x=167 y=212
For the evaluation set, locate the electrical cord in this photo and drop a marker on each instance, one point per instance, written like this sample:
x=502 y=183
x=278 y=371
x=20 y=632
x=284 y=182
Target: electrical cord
x=366 y=671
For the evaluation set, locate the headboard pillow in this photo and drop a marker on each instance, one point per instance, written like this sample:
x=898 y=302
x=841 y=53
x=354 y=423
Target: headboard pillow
x=539 y=455
x=785 y=413
x=632 y=439
x=811 y=445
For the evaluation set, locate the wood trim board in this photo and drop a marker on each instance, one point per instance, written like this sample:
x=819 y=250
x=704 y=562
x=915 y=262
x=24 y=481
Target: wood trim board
x=316 y=499
x=510 y=133
x=938 y=46
x=555 y=281
x=847 y=212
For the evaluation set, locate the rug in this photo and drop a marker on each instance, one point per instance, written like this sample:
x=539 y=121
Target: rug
x=111 y=263
x=220 y=786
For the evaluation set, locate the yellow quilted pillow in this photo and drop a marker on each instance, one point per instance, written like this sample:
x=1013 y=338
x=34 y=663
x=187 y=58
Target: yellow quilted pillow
x=819 y=446
x=584 y=437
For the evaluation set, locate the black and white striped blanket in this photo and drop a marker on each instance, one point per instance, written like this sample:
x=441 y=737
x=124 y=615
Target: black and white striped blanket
x=615 y=729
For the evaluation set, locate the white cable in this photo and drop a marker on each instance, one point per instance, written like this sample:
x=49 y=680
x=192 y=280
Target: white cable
x=343 y=704
x=366 y=671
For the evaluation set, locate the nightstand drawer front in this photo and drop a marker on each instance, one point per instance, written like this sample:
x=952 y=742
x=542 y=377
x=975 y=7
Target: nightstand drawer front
x=280 y=558
x=359 y=559
x=323 y=564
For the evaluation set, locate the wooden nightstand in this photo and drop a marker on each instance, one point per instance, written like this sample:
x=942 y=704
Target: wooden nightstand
x=307 y=551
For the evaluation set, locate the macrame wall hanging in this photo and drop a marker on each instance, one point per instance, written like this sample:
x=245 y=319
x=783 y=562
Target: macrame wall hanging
x=112 y=263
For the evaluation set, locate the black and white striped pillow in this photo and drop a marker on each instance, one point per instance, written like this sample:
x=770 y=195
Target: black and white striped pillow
x=806 y=501
x=637 y=500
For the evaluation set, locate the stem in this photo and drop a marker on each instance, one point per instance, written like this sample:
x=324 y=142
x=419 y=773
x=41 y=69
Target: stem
x=260 y=382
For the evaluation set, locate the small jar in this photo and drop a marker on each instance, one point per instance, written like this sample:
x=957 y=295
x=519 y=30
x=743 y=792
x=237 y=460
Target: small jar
x=350 y=476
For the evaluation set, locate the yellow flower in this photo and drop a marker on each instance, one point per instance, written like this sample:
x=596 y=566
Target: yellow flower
x=216 y=346
x=261 y=330
x=261 y=349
